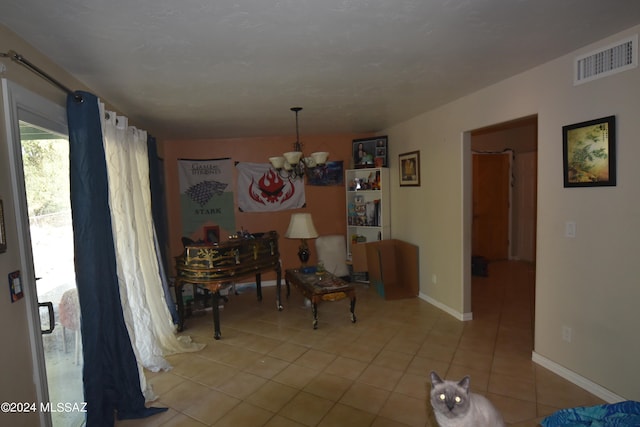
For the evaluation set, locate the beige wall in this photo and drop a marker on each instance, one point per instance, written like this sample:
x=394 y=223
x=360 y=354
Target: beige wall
x=326 y=204
x=589 y=283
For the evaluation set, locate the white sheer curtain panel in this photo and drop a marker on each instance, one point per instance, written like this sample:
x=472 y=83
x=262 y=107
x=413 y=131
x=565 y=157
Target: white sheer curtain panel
x=148 y=320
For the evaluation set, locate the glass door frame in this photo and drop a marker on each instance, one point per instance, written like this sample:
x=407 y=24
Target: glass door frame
x=22 y=104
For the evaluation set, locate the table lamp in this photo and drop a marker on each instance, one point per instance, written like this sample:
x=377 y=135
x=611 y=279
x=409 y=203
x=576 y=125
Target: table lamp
x=301 y=227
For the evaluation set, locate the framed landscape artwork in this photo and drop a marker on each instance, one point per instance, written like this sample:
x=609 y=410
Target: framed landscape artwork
x=589 y=153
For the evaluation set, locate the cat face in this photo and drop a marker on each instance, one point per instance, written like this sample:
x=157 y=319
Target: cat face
x=449 y=398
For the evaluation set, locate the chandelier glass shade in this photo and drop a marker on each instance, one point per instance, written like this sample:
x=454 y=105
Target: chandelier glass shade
x=292 y=164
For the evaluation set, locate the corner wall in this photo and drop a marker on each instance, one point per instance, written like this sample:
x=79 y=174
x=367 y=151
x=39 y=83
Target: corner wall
x=588 y=283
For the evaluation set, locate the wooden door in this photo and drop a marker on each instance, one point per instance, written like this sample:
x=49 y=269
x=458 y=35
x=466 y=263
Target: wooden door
x=490 y=227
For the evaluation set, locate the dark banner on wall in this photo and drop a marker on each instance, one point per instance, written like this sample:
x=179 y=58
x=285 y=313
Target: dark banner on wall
x=206 y=197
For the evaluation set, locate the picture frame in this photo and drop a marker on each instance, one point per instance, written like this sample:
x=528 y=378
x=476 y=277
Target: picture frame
x=212 y=234
x=589 y=153
x=370 y=152
x=331 y=173
x=3 y=235
x=409 y=166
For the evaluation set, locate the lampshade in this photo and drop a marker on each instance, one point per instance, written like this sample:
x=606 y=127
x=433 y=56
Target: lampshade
x=293 y=157
x=301 y=227
x=320 y=157
x=277 y=162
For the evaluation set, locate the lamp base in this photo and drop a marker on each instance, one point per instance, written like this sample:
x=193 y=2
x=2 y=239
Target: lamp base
x=303 y=252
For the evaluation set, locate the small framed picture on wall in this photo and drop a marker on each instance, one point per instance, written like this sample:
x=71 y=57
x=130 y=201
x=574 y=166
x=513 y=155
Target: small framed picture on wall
x=409 y=169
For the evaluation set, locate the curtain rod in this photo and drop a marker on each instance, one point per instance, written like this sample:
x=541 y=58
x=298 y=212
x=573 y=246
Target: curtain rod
x=13 y=55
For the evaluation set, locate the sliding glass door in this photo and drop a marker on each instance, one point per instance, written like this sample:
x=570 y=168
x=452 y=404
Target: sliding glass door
x=40 y=175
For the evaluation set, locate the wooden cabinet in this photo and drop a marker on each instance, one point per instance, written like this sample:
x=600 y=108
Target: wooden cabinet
x=368 y=205
x=214 y=266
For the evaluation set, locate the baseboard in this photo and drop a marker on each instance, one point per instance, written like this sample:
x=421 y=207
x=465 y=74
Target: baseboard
x=576 y=379
x=263 y=284
x=460 y=316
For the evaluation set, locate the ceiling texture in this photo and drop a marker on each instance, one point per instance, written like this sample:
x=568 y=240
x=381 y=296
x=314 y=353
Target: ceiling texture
x=223 y=68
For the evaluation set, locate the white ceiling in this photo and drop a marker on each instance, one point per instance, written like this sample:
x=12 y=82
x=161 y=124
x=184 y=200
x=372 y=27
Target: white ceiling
x=221 y=68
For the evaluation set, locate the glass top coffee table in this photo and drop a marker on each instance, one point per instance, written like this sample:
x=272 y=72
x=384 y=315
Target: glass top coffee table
x=320 y=287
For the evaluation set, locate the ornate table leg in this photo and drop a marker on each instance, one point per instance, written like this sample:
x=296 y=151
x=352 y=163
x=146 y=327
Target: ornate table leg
x=216 y=315
x=353 y=309
x=259 y=286
x=180 y=303
x=278 y=288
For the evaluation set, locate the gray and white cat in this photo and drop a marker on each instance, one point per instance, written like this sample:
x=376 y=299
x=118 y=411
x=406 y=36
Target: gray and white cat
x=455 y=406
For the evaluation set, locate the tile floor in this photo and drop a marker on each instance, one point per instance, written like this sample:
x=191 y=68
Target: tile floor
x=272 y=369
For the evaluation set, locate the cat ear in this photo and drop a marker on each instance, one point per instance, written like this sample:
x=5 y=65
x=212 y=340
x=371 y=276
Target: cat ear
x=435 y=379
x=464 y=383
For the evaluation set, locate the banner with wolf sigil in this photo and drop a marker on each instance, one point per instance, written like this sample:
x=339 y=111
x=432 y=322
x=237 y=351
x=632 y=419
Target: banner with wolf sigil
x=206 y=196
x=261 y=189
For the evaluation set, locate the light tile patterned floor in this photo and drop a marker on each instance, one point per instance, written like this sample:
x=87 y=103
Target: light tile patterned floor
x=272 y=369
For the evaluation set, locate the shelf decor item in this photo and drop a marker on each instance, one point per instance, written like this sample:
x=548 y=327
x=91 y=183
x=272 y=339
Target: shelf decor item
x=589 y=153
x=409 y=169
x=211 y=234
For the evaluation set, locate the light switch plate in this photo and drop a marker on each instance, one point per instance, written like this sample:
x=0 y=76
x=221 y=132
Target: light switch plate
x=570 y=229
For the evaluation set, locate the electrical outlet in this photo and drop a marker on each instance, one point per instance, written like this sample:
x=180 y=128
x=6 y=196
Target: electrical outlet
x=434 y=279
x=566 y=333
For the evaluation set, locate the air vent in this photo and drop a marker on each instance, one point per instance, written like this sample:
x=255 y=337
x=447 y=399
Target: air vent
x=612 y=59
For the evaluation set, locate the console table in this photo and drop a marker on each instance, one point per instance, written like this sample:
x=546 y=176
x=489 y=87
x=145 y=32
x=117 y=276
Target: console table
x=321 y=287
x=214 y=266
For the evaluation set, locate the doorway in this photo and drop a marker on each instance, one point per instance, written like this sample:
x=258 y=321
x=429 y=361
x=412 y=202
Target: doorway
x=40 y=178
x=517 y=219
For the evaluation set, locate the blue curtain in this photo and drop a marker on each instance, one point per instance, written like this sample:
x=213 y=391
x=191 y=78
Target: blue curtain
x=110 y=372
x=159 y=217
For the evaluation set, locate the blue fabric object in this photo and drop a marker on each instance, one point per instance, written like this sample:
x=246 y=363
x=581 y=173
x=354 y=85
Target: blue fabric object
x=156 y=178
x=623 y=414
x=110 y=372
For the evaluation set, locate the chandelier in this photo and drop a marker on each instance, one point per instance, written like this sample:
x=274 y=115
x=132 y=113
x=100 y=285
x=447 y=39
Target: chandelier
x=292 y=164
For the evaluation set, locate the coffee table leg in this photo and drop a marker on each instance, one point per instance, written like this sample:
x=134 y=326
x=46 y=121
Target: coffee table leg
x=314 y=310
x=353 y=309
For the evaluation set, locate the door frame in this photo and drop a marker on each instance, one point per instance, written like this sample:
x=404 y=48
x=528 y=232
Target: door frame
x=467 y=202
x=22 y=104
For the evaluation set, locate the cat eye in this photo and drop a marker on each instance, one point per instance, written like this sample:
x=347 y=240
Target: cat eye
x=458 y=400
x=442 y=396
